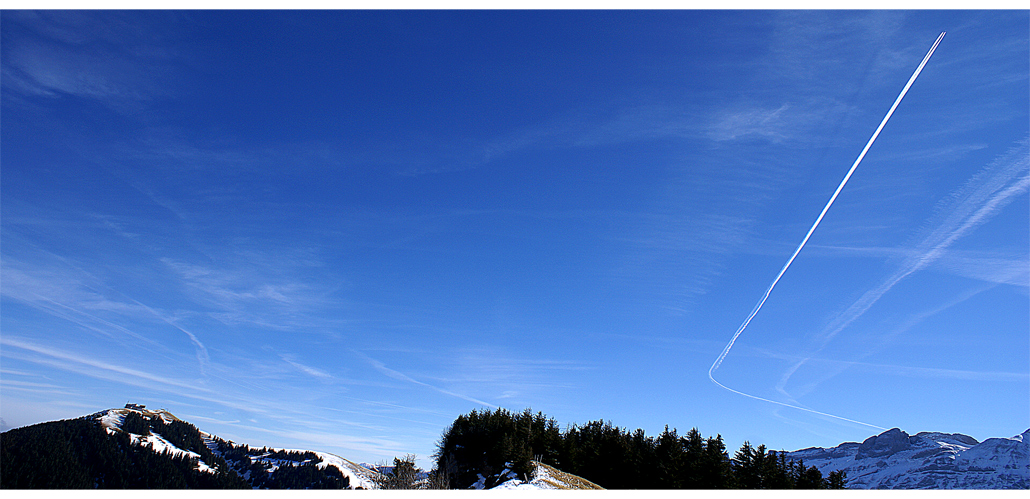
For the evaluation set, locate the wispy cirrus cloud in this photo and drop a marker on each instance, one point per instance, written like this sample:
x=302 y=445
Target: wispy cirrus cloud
x=509 y=376
x=809 y=46
x=989 y=268
x=834 y=368
x=257 y=289
x=937 y=372
x=281 y=413
x=203 y=358
x=66 y=292
x=997 y=267
x=100 y=369
x=285 y=410
x=397 y=375
x=291 y=360
x=765 y=123
x=48 y=389
x=106 y=58
x=63 y=290
x=794 y=122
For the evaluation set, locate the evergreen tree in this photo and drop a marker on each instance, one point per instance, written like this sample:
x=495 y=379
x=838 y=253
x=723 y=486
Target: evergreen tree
x=776 y=474
x=136 y=423
x=837 y=480
x=746 y=472
x=715 y=465
x=694 y=451
x=406 y=476
x=671 y=460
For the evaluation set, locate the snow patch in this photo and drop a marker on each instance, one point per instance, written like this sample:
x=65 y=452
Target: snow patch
x=358 y=475
x=544 y=477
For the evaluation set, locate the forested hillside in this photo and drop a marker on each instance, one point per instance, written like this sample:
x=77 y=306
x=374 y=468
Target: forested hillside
x=80 y=453
x=281 y=469
x=134 y=448
x=486 y=443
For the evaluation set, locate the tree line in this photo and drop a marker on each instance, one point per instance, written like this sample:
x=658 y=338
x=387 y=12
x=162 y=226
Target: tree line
x=486 y=443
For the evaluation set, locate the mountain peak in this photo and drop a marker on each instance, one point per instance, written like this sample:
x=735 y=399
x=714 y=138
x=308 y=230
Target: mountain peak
x=927 y=460
x=889 y=442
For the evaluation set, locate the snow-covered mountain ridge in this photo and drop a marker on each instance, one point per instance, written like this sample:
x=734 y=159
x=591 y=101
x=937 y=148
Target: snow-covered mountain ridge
x=927 y=460
x=248 y=461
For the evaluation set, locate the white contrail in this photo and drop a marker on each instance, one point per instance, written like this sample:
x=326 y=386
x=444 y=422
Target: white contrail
x=794 y=406
x=984 y=195
x=826 y=208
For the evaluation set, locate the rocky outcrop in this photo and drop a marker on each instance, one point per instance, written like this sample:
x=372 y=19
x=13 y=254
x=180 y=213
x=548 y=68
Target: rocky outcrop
x=889 y=442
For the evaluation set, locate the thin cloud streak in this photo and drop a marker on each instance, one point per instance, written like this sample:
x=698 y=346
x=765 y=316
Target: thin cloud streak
x=289 y=359
x=981 y=198
x=940 y=373
x=898 y=369
x=997 y=267
x=132 y=374
x=510 y=377
x=379 y=366
x=76 y=296
x=368 y=444
x=120 y=374
x=908 y=324
x=202 y=356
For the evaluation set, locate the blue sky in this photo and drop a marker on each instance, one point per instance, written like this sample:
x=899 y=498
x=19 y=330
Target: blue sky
x=341 y=230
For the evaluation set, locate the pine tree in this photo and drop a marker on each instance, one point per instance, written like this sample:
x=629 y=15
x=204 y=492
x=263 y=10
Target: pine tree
x=694 y=451
x=776 y=474
x=745 y=471
x=837 y=480
x=671 y=458
x=715 y=465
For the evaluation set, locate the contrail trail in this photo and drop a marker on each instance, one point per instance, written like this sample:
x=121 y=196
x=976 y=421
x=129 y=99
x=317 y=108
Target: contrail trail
x=826 y=208
x=985 y=194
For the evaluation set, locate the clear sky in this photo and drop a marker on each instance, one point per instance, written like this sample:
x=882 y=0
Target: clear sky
x=341 y=230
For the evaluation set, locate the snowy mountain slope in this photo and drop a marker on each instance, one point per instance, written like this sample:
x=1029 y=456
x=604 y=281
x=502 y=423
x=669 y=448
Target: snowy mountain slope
x=358 y=476
x=255 y=465
x=928 y=460
x=112 y=450
x=112 y=420
x=544 y=478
